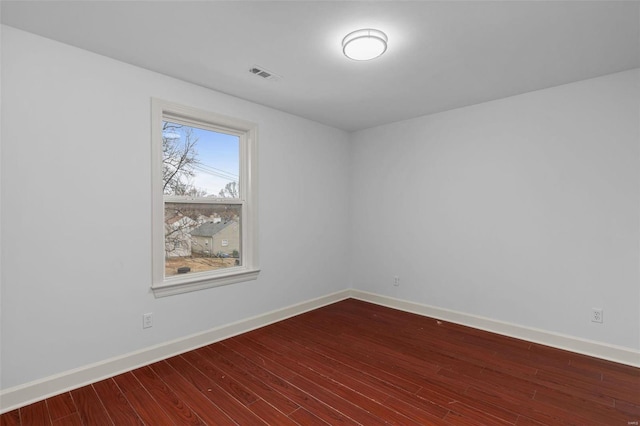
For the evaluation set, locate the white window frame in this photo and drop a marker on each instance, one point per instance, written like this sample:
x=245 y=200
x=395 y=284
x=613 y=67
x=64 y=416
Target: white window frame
x=248 y=186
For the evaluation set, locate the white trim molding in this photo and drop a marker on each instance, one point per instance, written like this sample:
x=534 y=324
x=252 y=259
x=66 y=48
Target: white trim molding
x=619 y=354
x=28 y=393
x=25 y=394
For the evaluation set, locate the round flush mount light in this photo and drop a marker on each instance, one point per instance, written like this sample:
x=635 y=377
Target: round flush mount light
x=362 y=45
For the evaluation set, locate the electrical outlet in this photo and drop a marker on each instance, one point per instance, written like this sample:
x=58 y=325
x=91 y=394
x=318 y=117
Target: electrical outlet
x=396 y=281
x=147 y=320
x=596 y=315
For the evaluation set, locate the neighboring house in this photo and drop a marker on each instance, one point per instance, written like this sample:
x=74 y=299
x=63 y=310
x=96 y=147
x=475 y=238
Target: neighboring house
x=177 y=238
x=212 y=238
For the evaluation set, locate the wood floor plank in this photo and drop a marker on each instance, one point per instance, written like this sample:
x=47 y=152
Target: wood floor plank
x=364 y=359
x=71 y=420
x=225 y=360
x=278 y=370
x=89 y=406
x=340 y=373
x=356 y=363
x=11 y=418
x=467 y=406
x=581 y=408
x=526 y=421
x=458 y=417
x=418 y=410
x=359 y=367
x=631 y=410
x=532 y=410
x=330 y=399
x=290 y=363
x=303 y=398
x=596 y=393
x=303 y=417
x=146 y=407
x=35 y=414
x=219 y=377
x=233 y=408
x=175 y=407
x=269 y=414
x=357 y=393
x=197 y=401
x=127 y=382
x=486 y=381
x=116 y=404
x=61 y=406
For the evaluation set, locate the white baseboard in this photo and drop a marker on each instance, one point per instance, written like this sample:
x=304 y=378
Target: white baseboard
x=25 y=394
x=28 y=393
x=601 y=350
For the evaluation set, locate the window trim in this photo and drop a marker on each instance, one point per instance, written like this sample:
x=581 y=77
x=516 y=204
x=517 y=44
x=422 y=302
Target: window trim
x=166 y=286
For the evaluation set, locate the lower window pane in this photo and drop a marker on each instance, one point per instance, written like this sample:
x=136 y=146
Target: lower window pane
x=201 y=237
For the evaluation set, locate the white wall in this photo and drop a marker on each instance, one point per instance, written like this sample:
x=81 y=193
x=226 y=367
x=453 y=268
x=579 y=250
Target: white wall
x=523 y=210
x=76 y=229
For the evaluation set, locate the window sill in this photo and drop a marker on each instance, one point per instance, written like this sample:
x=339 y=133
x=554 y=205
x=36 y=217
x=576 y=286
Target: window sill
x=194 y=283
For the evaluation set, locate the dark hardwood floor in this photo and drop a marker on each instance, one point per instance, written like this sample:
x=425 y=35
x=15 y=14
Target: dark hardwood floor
x=356 y=363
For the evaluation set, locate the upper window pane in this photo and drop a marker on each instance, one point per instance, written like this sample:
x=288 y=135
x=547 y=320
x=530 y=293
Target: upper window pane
x=199 y=162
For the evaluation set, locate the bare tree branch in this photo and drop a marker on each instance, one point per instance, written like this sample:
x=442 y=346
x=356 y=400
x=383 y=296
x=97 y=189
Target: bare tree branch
x=230 y=191
x=179 y=157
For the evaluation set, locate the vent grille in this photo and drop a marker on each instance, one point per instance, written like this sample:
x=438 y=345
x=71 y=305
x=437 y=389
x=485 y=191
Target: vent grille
x=261 y=72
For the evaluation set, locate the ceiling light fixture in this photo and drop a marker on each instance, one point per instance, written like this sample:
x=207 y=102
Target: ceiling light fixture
x=362 y=45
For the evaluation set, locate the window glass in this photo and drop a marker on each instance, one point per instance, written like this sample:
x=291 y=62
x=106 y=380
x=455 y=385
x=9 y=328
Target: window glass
x=198 y=162
x=201 y=237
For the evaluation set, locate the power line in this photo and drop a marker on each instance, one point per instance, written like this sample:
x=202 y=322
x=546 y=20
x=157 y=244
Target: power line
x=215 y=172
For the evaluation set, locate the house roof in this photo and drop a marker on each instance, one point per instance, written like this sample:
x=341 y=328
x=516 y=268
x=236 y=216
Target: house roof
x=209 y=229
x=171 y=218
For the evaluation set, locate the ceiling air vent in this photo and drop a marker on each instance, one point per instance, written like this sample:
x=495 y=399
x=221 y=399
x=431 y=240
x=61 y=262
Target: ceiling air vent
x=261 y=72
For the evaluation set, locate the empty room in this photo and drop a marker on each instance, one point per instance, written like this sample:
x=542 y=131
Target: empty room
x=319 y=212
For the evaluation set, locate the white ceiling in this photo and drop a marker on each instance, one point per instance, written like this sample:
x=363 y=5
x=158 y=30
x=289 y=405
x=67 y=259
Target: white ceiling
x=441 y=55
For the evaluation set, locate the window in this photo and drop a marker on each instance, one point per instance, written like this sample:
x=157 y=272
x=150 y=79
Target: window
x=204 y=199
